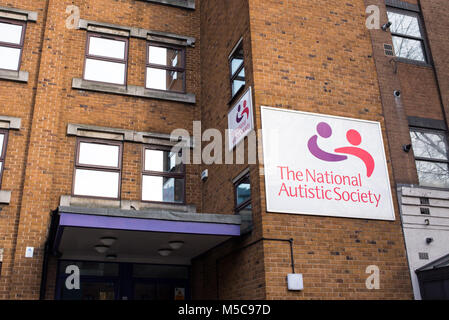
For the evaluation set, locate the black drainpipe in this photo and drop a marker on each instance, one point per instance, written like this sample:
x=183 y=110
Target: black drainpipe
x=47 y=249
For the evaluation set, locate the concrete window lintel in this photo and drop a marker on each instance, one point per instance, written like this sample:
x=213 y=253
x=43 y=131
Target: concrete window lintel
x=134 y=91
x=7 y=122
x=19 y=76
x=18 y=14
x=89 y=131
x=5 y=197
x=187 y=4
x=134 y=32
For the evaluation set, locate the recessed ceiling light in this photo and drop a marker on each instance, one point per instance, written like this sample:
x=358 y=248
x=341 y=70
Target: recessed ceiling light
x=101 y=249
x=165 y=252
x=175 y=245
x=108 y=241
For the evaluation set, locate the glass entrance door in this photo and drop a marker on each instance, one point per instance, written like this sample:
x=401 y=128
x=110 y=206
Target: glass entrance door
x=124 y=281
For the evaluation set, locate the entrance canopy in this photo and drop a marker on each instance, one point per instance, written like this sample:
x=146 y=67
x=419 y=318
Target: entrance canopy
x=139 y=236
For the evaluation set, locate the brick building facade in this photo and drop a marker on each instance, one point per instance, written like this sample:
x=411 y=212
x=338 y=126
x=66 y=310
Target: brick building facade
x=310 y=56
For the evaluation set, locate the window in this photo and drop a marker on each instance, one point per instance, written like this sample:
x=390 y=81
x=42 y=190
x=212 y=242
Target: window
x=243 y=195
x=11 y=43
x=237 y=69
x=165 y=68
x=408 y=38
x=3 y=141
x=432 y=158
x=97 y=169
x=106 y=59
x=163 y=176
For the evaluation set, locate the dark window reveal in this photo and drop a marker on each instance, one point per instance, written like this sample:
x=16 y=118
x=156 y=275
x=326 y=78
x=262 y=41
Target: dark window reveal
x=243 y=195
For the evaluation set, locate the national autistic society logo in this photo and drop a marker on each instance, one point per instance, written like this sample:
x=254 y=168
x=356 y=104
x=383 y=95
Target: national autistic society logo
x=240 y=112
x=354 y=138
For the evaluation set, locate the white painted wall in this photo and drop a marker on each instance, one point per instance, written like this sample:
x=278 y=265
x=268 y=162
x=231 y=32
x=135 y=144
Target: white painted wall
x=416 y=230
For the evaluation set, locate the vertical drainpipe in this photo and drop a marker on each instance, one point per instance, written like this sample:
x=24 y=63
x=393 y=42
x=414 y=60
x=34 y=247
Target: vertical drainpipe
x=47 y=248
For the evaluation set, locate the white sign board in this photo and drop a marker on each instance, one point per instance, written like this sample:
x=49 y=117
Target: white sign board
x=324 y=165
x=240 y=119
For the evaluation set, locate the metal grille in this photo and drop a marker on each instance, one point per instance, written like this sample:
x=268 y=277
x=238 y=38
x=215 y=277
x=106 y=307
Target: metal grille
x=388 y=49
x=423 y=256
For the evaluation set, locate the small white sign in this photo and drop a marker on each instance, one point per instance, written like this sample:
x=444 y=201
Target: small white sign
x=240 y=119
x=29 y=252
x=324 y=165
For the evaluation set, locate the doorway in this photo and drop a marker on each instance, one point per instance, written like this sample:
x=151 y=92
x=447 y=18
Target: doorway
x=124 y=281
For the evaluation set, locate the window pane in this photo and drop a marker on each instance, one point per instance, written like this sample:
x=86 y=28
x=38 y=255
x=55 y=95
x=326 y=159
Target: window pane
x=242 y=73
x=99 y=154
x=9 y=58
x=107 y=48
x=433 y=174
x=105 y=71
x=165 y=56
x=406 y=24
x=165 y=80
x=2 y=141
x=96 y=183
x=235 y=64
x=160 y=272
x=162 y=189
x=10 y=33
x=162 y=161
x=408 y=49
x=429 y=145
x=236 y=85
x=88 y=268
x=243 y=192
x=1 y=167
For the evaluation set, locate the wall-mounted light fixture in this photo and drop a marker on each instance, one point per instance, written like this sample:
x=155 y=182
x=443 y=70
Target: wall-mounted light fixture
x=386 y=26
x=407 y=147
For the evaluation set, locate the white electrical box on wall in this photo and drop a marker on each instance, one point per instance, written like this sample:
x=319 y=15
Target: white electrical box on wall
x=295 y=282
x=29 y=252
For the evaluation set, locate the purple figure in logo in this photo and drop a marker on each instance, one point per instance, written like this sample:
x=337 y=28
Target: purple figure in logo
x=239 y=116
x=325 y=131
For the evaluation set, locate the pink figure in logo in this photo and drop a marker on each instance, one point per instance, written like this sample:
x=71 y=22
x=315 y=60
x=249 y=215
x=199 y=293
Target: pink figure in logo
x=355 y=139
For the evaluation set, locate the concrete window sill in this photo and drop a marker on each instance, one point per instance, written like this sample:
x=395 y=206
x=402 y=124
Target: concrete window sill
x=188 y=4
x=133 y=91
x=5 y=197
x=19 y=76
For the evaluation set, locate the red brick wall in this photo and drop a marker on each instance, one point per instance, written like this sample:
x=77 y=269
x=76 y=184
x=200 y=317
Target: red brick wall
x=17 y=100
x=50 y=155
x=317 y=57
x=240 y=272
x=436 y=17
